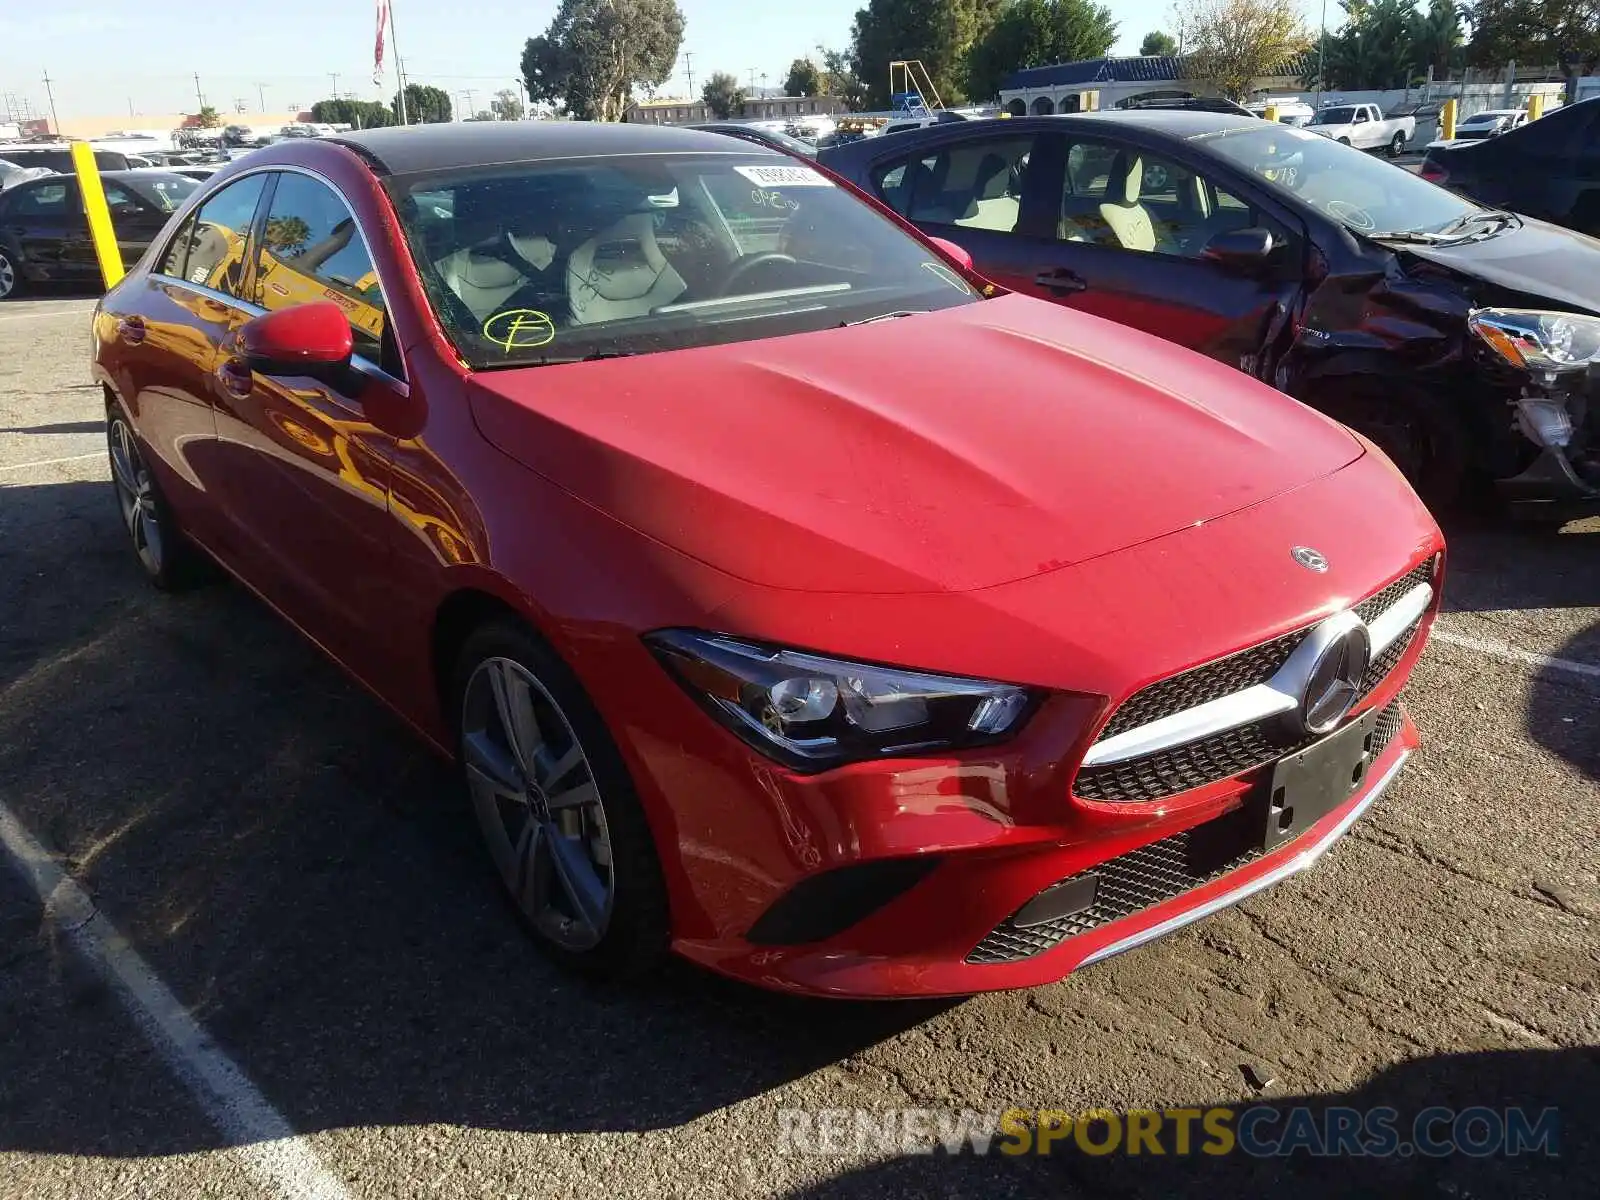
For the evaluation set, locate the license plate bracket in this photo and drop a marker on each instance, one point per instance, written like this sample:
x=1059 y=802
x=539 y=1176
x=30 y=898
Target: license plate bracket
x=1307 y=785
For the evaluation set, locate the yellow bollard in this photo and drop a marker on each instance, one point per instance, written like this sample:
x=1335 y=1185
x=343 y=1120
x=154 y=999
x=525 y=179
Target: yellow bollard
x=1271 y=114
x=1535 y=106
x=1447 y=120
x=95 y=208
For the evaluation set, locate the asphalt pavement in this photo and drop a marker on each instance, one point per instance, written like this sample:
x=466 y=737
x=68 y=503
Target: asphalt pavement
x=337 y=985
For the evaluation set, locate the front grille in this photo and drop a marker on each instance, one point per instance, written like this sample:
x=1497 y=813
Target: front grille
x=1234 y=751
x=1211 y=681
x=1141 y=878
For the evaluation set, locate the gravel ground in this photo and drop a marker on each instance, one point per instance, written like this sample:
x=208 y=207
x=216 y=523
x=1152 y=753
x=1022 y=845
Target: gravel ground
x=301 y=876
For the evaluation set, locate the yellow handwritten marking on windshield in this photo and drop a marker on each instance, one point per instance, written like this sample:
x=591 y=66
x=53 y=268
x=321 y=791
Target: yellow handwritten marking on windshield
x=520 y=329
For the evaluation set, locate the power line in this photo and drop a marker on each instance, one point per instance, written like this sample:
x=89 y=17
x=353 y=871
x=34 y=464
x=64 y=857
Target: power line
x=50 y=93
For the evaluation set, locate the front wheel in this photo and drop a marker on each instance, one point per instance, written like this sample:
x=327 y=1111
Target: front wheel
x=556 y=806
x=169 y=559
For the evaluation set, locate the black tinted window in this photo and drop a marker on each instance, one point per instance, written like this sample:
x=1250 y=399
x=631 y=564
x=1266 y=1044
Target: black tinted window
x=210 y=249
x=311 y=250
x=1565 y=131
x=45 y=200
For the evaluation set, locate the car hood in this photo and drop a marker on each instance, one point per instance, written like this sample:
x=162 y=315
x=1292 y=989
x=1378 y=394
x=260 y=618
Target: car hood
x=1537 y=261
x=942 y=452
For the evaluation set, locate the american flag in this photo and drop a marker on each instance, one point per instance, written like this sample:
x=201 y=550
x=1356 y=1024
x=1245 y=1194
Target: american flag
x=377 y=49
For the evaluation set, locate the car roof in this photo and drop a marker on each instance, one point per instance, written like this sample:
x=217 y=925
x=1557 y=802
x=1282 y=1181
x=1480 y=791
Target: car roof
x=417 y=148
x=1493 y=112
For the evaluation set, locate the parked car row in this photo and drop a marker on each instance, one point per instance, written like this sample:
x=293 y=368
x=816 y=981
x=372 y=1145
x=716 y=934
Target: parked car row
x=787 y=594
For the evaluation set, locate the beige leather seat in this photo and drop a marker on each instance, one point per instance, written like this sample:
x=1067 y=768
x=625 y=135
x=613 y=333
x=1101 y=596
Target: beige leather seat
x=1122 y=212
x=482 y=282
x=621 y=273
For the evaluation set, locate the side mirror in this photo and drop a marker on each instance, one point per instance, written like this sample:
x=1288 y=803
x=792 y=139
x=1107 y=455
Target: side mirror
x=308 y=339
x=1239 y=249
x=951 y=250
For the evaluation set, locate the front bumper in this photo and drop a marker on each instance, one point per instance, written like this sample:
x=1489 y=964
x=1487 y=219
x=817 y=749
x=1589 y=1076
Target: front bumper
x=966 y=901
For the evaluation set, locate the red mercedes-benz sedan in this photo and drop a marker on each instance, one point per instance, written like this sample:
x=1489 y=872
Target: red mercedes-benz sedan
x=788 y=597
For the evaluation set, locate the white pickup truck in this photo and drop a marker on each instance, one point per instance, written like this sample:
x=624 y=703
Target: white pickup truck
x=1364 y=126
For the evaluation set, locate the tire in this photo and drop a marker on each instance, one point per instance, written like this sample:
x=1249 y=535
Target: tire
x=10 y=274
x=1419 y=433
x=168 y=558
x=1343 y=141
x=558 y=811
x=1397 y=144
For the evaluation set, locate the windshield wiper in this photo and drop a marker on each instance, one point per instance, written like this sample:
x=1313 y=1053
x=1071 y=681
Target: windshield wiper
x=1499 y=217
x=556 y=360
x=1421 y=236
x=888 y=316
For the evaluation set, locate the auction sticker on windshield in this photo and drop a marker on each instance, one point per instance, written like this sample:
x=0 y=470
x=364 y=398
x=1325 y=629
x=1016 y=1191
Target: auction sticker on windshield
x=785 y=176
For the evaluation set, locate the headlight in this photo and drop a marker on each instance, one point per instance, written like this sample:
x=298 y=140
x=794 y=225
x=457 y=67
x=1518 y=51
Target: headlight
x=812 y=713
x=1544 y=341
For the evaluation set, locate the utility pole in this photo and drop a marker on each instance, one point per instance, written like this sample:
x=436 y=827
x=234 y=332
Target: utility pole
x=470 y=110
x=130 y=106
x=261 y=94
x=197 y=95
x=48 y=92
x=399 y=65
x=688 y=69
x=752 y=79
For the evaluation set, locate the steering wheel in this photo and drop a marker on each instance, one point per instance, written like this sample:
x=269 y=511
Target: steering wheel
x=1351 y=215
x=746 y=263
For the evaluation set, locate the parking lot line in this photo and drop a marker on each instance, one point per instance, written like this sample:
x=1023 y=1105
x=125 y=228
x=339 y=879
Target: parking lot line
x=269 y=1149
x=54 y=312
x=1512 y=654
x=47 y=462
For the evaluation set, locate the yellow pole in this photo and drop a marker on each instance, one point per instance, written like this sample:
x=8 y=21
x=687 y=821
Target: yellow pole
x=95 y=208
x=1535 y=106
x=1093 y=104
x=1271 y=113
x=1447 y=120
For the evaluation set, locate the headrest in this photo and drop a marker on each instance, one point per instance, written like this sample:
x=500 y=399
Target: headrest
x=1127 y=177
x=626 y=278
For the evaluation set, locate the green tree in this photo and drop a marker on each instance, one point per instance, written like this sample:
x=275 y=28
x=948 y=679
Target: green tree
x=360 y=114
x=207 y=118
x=1437 y=39
x=840 y=79
x=1376 y=46
x=804 y=79
x=507 y=105
x=595 y=52
x=723 y=96
x=1031 y=33
x=425 y=104
x=1156 y=42
x=287 y=235
x=1231 y=43
x=1560 y=32
x=939 y=33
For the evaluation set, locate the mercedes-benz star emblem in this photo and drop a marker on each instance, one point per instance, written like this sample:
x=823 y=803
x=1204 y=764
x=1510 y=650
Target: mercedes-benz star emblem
x=1311 y=560
x=1334 y=684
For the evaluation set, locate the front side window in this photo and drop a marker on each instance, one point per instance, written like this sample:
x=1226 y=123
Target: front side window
x=974 y=184
x=1124 y=198
x=1363 y=193
x=1334 y=116
x=559 y=261
x=310 y=250
x=210 y=248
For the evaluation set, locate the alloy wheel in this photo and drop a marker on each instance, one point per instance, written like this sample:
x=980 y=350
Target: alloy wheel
x=136 y=495
x=535 y=795
x=8 y=275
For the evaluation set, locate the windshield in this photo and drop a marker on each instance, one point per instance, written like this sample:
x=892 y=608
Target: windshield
x=1334 y=116
x=579 y=258
x=1363 y=193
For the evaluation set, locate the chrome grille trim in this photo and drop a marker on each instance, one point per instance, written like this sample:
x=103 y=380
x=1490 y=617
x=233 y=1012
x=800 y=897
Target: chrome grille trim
x=1278 y=694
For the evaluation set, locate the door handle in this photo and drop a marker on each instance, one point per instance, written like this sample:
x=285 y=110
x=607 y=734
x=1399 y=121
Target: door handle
x=131 y=330
x=1060 y=280
x=235 y=376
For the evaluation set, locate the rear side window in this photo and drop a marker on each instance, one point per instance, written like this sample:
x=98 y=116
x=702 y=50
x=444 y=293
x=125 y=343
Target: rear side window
x=311 y=250
x=974 y=184
x=210 y=247
x=1565 y=131
x=44 y=200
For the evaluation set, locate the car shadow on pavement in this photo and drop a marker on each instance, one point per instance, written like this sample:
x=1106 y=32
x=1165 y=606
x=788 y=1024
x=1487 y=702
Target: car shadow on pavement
x=304 y=876
x=1553 y=569
x=1531 y=1080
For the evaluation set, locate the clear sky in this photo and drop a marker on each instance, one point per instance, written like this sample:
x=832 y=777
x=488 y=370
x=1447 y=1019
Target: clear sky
x=101 y=55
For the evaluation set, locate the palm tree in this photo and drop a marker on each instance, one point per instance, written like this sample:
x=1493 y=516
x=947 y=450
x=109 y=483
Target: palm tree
x=1438 y=38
